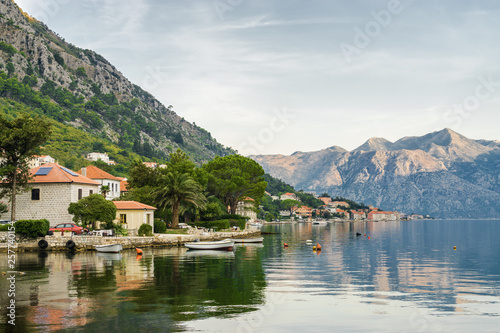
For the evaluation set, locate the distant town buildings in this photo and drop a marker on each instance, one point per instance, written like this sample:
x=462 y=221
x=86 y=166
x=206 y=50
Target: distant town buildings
x=289 y=196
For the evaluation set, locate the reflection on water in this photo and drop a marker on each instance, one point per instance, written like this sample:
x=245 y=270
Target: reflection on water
x=397 y=276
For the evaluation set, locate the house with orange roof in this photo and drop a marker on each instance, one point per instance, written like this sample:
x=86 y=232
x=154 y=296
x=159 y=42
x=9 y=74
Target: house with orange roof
x=339 y=204
x=377 y=215
x=246 y=207
x=53 y=188
x=304 y=211
x=289 y=196
x=103 y=178
x=123 y=185
x=132 y=214
x=326 y=200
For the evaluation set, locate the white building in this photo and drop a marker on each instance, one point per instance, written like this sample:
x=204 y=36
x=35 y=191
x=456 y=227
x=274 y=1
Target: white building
x=99 y=156
x=289 y=196
x=246 y=208
x=37 y=161
x=53 y=188
x=104 y=179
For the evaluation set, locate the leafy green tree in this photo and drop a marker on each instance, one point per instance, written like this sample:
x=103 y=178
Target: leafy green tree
x=80 y=72
x=288 y=204
x=233 y=177
x=141 y=176
x=179 y=189
x=91 y=209
x=20 y=140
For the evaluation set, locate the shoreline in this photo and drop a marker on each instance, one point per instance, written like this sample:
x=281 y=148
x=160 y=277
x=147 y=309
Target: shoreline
x=88 y=243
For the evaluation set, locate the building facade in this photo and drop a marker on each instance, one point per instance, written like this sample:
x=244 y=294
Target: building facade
x=53 y=188
x=132 y=214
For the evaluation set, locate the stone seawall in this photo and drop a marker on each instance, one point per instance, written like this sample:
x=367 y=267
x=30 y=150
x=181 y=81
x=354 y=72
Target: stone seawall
x=88 y=243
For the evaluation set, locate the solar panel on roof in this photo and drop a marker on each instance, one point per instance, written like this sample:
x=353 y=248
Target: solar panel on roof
x=69 y=171
x=43 y=171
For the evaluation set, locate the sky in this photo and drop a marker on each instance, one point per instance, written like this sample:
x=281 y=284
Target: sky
x=275 y=77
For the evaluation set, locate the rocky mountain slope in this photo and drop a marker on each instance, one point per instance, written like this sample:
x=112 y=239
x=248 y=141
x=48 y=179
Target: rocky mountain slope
x=93 y=94
x=443 y=174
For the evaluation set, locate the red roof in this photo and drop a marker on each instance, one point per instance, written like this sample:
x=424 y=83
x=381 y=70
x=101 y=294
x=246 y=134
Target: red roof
x=54 y=173
x=94 y=172
x=123 y=186
x=131 y=205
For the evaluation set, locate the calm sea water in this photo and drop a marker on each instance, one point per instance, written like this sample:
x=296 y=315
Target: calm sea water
x=400 y=277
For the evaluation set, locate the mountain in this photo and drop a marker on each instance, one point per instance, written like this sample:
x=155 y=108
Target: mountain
x=444 y=174
x=90 y=93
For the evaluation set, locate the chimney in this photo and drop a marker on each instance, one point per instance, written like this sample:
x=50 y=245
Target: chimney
x=84 y=172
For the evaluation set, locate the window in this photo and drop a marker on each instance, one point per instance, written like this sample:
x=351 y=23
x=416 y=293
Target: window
x=35 y=194
x=80 y=193
x=148 y=218
x=123 y=218
x=91 y=192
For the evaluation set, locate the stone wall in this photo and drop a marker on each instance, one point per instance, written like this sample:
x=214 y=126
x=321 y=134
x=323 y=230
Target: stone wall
x=85 y=242
x=53 y=204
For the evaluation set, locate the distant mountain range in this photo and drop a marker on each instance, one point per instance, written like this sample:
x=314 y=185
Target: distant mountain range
x=444 y=174
x=91 y=94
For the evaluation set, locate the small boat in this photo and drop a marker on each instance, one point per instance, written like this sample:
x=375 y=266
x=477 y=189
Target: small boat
x=249 y=240
x=319 y=223
x=226 y=244
x=110 y=248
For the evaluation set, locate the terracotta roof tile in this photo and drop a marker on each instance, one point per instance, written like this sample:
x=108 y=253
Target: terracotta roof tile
x=58 y=175
x=131 y=205
x=94 y=172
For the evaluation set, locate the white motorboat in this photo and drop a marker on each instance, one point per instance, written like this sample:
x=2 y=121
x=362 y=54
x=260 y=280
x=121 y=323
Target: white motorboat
x=110 y=248
x=320 y=223
x=249 y=240
x=226 y=244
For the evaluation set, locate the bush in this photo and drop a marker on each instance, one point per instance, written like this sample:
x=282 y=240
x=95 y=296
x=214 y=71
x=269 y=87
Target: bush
x=233 y=217
x=160 y=226
x=241 y=223
x=218 y=225
x=145 y=230
x=4 y=227
x=32 y=228
x=119 y=230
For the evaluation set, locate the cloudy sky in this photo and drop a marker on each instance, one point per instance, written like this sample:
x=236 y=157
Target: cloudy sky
x=275 y=76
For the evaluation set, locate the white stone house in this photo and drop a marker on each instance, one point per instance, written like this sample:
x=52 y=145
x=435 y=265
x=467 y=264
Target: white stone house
x=289 y=196
x=37 y=161
x=100 y=156
x=53 y=188
x=246 y=207
x=103 y=178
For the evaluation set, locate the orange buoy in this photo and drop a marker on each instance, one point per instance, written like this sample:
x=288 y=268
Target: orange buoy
x=139 y=251
x=368 y=237
x=318 y=247
x=285 y=244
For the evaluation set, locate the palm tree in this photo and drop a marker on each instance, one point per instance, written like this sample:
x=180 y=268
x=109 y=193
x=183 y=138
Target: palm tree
x=179 y=188
x=105 y=190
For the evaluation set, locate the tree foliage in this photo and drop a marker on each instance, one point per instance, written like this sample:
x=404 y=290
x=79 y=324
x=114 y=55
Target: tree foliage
x=179 y=188
x=91 y=209
x=20 y=140
x=233 y=177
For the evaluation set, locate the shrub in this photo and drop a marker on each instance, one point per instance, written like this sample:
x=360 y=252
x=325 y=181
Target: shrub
x=32 y=228
x=4 y=227
x=145 y=230
x=218 y=225
x=160 y=226
x=238 y=223
x=233 y=217
x=119 y=230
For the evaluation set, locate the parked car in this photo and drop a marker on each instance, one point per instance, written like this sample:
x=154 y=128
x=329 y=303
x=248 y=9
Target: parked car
x=67 y=227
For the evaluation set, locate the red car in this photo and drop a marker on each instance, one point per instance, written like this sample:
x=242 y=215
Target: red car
x=67 y=228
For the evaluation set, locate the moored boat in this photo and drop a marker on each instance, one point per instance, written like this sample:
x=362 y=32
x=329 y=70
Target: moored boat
x=249 y=240
x=109 y=248
x=226 y=244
